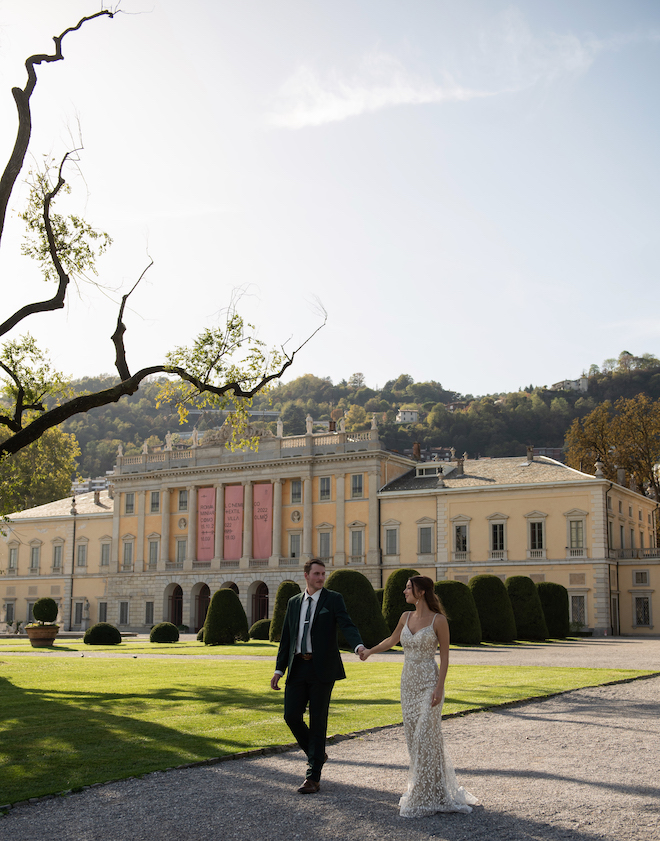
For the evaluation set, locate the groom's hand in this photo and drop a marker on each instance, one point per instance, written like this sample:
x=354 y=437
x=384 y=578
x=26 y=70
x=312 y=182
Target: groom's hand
x=274 y=681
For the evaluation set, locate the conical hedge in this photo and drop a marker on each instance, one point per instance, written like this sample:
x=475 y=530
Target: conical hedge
x=554 y=601
x=362 y=605
x=498 y=623
x=527 y=610
x=394 y=603
x=462 y=614
x=287 y=590
x=226 y=621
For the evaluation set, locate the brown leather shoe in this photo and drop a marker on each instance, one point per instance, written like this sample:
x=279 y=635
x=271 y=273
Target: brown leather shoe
x=309 y=787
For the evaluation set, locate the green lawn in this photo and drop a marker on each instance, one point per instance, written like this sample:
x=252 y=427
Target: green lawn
x=72 y=721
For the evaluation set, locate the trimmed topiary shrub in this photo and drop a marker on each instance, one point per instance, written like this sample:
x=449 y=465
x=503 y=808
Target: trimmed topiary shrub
x=45 y=610
x=554 y=602
x=462 y=614
x=527 y=610
x=494 y=607
x=394 y=603
x=103 y=633
x=226 y=621
x=164 y=632
x=183 y=629
x=200 y=635
x=362 y=606
x=260 y=630
x=380 y=592
x=285 y=591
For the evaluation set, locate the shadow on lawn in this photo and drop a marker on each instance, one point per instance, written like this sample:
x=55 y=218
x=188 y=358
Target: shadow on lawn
x=57 y=740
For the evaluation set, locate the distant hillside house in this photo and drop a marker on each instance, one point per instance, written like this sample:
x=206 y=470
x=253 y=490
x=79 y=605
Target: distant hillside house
x=582 y=384
x=407 y=416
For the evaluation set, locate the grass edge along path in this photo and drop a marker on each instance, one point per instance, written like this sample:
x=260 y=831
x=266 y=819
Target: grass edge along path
x=91 y=722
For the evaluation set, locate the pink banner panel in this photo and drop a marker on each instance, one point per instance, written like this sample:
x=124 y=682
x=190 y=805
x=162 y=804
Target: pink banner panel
x=233 y=522
x=262 y=522
x=205 y=524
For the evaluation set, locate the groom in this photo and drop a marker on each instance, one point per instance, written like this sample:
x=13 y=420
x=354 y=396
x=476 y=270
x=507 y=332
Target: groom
x=309 y=650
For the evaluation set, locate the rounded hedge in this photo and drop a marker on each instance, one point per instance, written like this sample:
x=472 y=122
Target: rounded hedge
x=103 y=633
x=45 y=609
x=164 y=632
x=554 y=602
x=260 y=630
x=394 y=603
x=462 y=614
x=226 y=621
x=287 y=590
x=361 y=604
x=494 y=607
x=527 y=609
x=200 y=634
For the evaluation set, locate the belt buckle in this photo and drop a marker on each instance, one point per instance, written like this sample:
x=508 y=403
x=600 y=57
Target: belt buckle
x=306 y=656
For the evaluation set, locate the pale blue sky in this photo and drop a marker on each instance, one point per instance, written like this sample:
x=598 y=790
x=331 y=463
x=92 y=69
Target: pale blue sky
x=470 y=188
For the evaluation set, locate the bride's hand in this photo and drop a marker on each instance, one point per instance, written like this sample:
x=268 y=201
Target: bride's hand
x=364 y=653
x=436 y=699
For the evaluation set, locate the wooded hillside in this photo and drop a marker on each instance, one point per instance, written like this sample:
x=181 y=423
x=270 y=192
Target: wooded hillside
x=493 y=425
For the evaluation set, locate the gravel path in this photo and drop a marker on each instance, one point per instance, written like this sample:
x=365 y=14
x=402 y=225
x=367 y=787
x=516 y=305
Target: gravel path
x=582 y=766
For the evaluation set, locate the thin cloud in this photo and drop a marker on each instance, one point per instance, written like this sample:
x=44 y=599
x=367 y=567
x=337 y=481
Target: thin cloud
x=381 y=82
x=505 y=58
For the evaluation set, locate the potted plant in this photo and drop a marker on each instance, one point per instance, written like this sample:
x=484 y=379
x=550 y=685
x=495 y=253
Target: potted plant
x=42 y=632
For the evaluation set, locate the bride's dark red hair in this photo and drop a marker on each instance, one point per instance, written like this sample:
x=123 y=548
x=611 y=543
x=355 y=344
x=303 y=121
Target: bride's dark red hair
x=423 y=586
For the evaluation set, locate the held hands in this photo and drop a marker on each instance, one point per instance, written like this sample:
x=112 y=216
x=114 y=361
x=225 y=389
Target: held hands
x=364 y=653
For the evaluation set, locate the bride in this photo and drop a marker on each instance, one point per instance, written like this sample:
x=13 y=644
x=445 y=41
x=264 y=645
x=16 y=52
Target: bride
x=432 y=785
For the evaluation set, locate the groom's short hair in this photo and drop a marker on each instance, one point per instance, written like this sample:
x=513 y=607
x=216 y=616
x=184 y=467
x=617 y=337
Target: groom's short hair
x=308 y=564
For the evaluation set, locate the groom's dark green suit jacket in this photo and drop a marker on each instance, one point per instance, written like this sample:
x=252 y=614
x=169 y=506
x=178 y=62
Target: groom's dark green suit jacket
x=330 y=615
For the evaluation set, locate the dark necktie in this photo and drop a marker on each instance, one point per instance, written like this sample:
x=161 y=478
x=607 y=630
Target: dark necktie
x=308 y=616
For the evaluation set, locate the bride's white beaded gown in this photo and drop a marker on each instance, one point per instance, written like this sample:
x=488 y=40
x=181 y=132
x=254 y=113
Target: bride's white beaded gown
x=432 y=785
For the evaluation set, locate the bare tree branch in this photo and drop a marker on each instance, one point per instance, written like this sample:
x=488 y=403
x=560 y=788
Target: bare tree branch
x=70 y=254
x=22 y=99
x=118 y=336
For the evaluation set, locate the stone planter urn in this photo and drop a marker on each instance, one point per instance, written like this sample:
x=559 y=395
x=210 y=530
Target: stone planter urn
x=41 y=636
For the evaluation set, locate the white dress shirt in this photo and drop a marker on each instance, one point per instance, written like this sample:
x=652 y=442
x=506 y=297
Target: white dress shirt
x=301 y=625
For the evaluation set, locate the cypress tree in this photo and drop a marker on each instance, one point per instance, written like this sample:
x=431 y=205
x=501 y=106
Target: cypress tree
x=362 y=605
x=554 y=601
x=462 y=615
x=527 y=609
x=287 y=590
x=498 y=623
x=394 y=603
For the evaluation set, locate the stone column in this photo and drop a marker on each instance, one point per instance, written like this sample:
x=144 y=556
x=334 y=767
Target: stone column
x=373 y=555
x=308 y=526
x=116 y=548
x=191 y=554
x=248 y=515
x=139 y=543
x=219 y=525
x=340 y=547
x=164 y=532
x=277 y=521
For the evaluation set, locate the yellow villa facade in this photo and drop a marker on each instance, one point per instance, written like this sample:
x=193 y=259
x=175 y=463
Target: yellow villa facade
x=178 y=525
